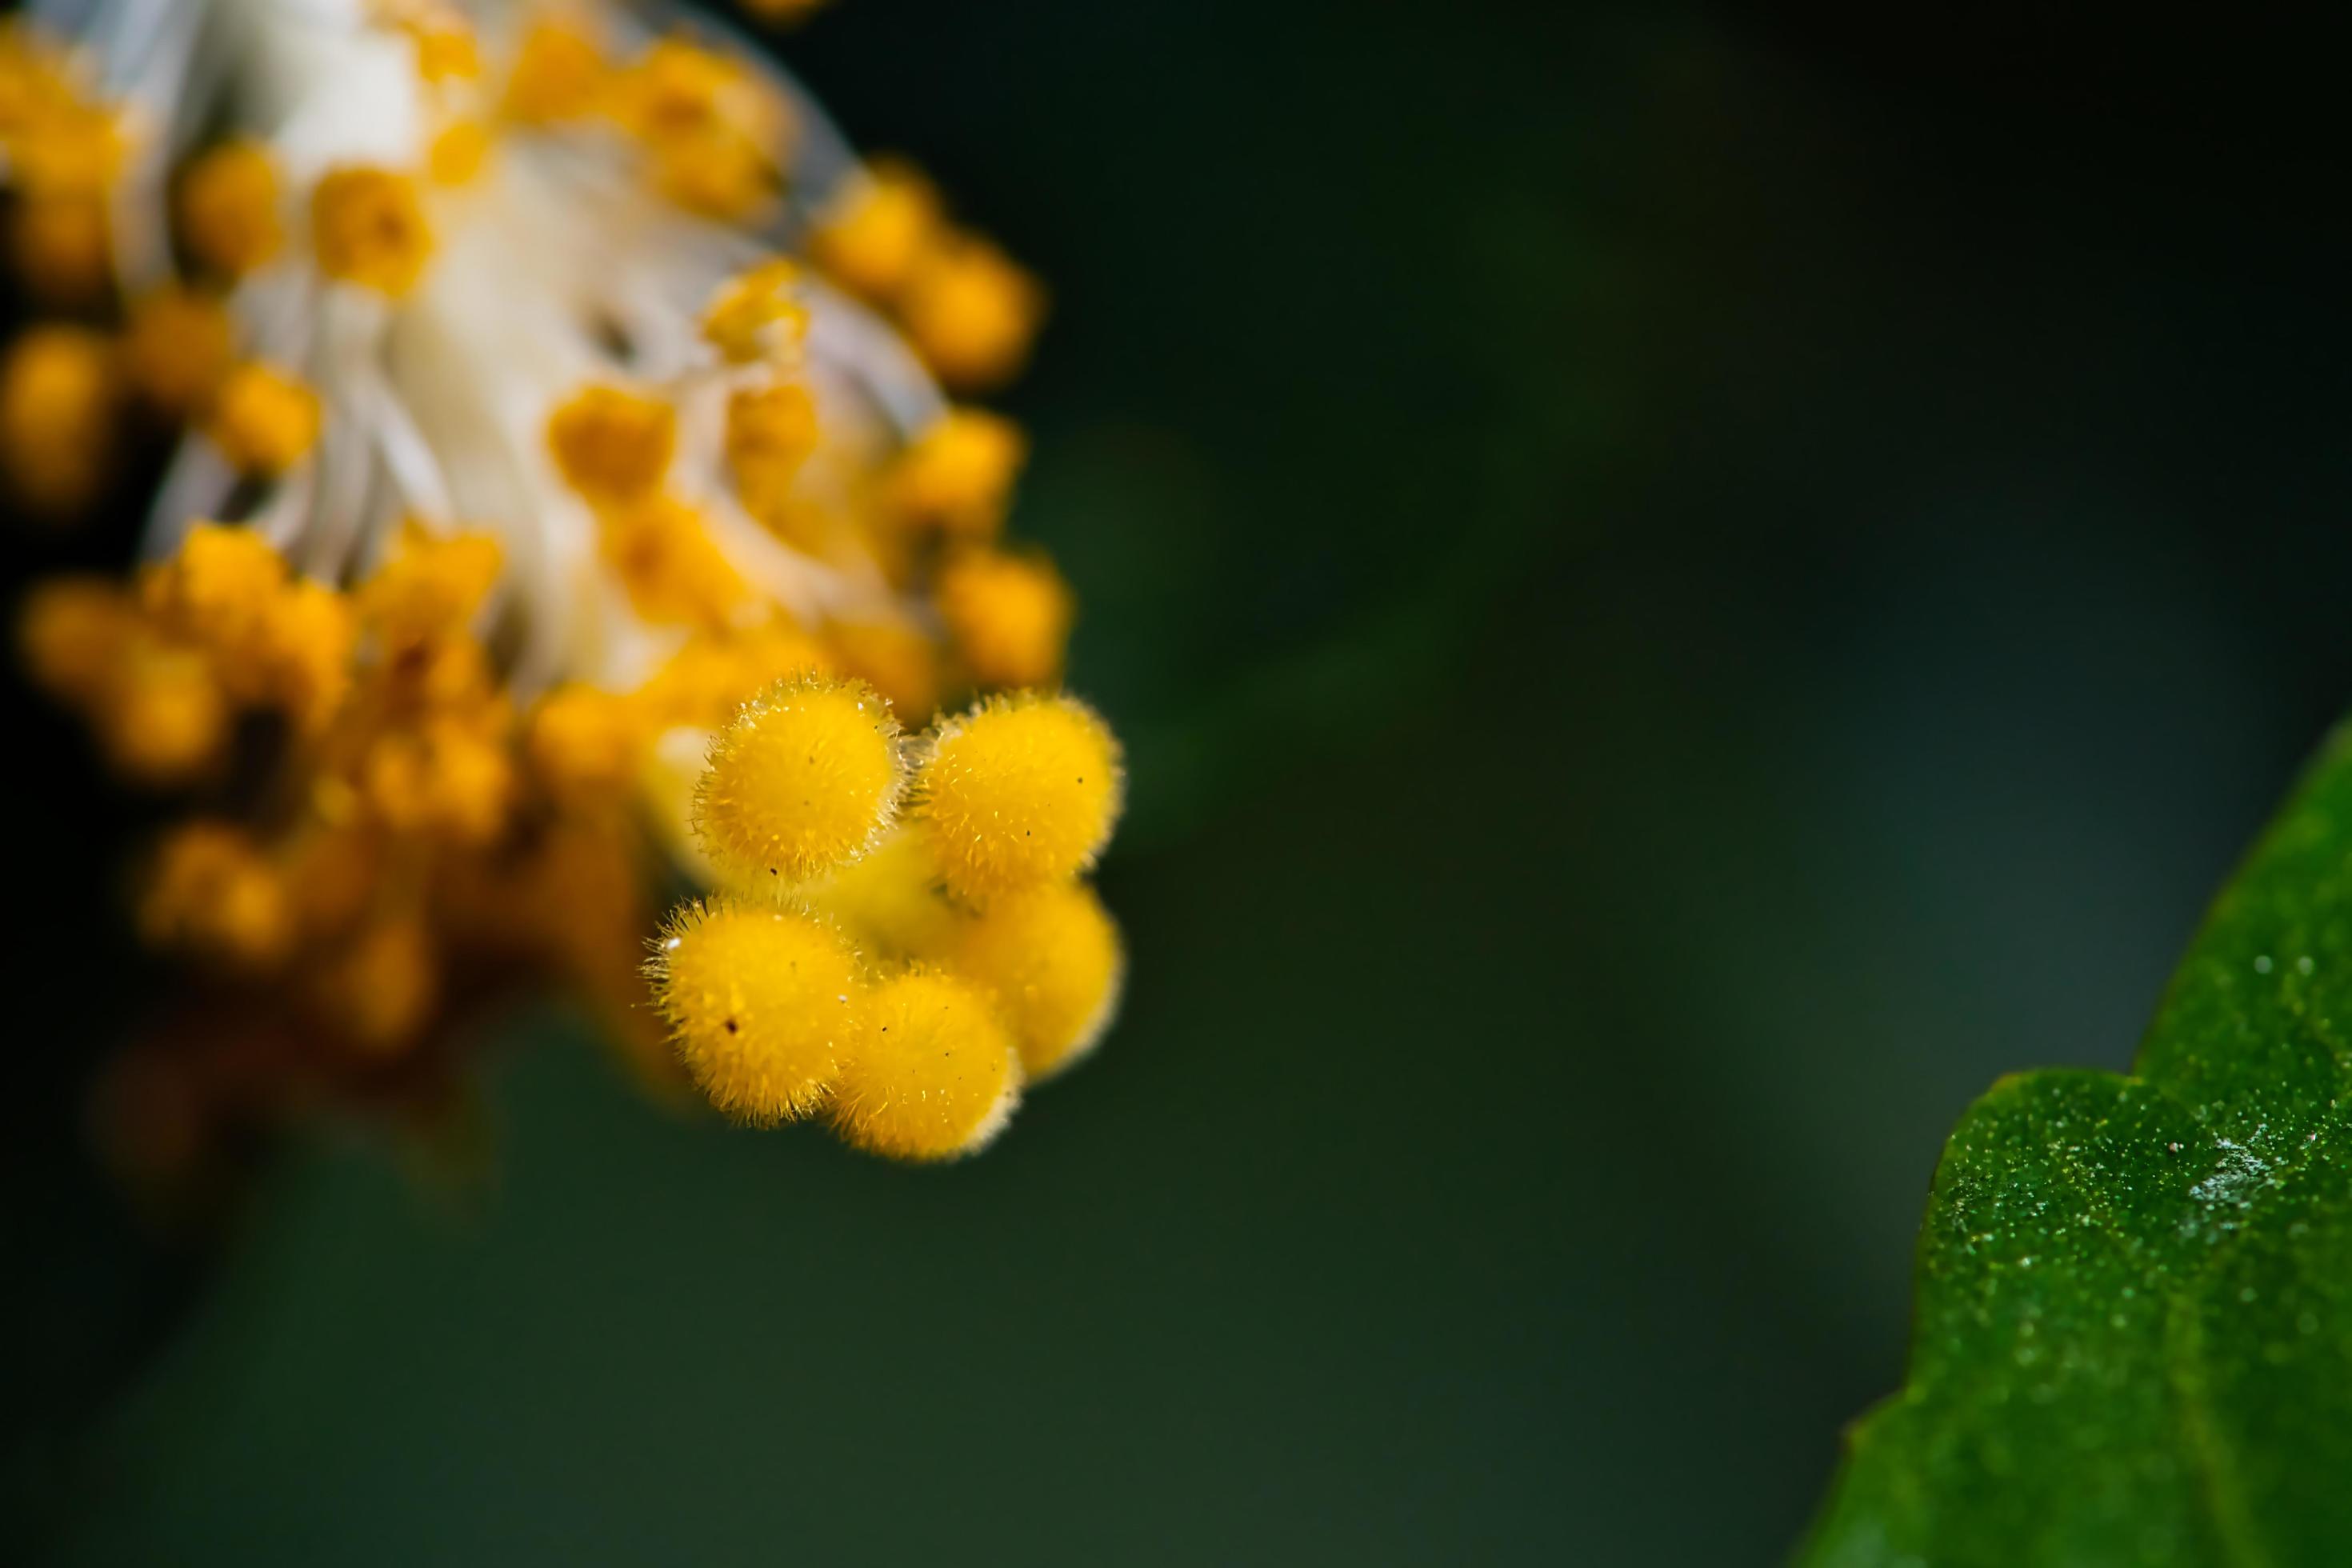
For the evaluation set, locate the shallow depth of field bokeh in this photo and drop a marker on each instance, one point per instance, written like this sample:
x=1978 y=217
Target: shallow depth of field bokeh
x=1686 y=586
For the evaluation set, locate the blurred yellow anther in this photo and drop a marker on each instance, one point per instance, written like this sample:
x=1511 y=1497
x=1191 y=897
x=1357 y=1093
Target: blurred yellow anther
x=430 y=587
x=178 y=348
x=380 y=989
x=935 y=1076
x=164 y=719
x=746 y=309
x=212 y=892
x=1008 y=615
x=770 y=431
x=717 y=173
x=445 y=47
x=763 y=1005
x=611 y=444
x=661 y=550
x=73 y=632
x=217 y=588
x=1020 y=792
x=447 y=778
x=367 y=228
x=585 y=743
x=1050 y=961
x=75 y=150
x=679 y=89
x=972 y=313
x=63 y=249
x=559 y=74
x=263 y=420
x=878 y=233
x=229 y=216
x=457 y=153
x=894 y=658
x=711 y=676
x=58 y=392
x=805 y=778
x=890 y=899
x=303 y=652
x=957 y=477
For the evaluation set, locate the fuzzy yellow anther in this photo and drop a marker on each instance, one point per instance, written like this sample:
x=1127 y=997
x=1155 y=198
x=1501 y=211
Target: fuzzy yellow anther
x=263 y=420
x=1008 y=615
x=973 y=313
x=880 y=231
x=611 y=444
x=1050 y=961
x=229 y=208
x=936 y=1076
x=957 y=477
x=57 y=398
x=1020 y=792
x=763 y=1005
x=178 y=349
x=804 y=778
x=367 y=228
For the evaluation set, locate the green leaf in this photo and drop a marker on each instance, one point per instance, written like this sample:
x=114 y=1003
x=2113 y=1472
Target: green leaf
x=2134 y=1332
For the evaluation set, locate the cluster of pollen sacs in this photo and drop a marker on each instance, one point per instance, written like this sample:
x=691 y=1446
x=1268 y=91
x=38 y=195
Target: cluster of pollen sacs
x=741 y=612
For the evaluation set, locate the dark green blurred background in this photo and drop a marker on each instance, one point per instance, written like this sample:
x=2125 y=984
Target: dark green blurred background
x=1687 y=585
